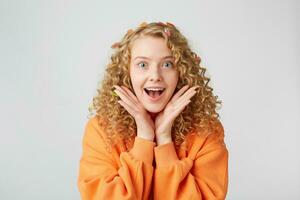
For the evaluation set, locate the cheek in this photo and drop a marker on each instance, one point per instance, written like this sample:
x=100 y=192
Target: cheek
x=133 y=77
x=172 y=79
x=137 y=83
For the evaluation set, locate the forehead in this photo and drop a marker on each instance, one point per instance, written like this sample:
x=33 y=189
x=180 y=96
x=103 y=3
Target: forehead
x=150 y=47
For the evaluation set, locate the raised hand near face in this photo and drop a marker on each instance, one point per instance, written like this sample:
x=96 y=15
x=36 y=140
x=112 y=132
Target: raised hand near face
x=164 y=120
x=144 y=123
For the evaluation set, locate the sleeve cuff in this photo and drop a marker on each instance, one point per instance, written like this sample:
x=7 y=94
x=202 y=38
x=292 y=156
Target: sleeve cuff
x=165 y=154
x=143 y=149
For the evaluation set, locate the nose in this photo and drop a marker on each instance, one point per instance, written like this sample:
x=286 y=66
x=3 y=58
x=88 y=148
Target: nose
x=154 y=75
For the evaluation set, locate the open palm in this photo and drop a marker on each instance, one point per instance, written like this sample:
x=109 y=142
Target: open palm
x=164 y=120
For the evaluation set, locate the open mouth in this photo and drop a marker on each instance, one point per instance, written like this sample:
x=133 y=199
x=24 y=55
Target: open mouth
x=154 y=93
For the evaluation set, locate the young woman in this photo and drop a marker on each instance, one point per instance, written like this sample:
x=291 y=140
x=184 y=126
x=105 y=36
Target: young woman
x=155 y=132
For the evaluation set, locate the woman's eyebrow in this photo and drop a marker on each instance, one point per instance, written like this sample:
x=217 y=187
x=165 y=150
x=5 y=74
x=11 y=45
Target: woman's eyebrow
x=143 y=57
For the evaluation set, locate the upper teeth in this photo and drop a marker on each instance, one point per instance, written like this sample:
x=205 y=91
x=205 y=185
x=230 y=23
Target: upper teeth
x=155 y=89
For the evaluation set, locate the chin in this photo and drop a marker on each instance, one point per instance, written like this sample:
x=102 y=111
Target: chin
x=154 y=108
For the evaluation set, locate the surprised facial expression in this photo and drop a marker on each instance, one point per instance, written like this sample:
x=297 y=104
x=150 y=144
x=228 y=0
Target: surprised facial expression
x=152 y=72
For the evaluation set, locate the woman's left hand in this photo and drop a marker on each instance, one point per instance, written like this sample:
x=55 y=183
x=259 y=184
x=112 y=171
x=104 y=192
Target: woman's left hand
x=164 y=120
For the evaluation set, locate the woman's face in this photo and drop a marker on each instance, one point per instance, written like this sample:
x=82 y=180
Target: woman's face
x=152 y=65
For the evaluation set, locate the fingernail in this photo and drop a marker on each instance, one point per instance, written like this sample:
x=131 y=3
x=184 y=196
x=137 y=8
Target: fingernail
x=196 y=88
x=114 y=93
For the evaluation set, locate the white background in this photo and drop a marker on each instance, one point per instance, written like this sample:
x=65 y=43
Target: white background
x=53 y=53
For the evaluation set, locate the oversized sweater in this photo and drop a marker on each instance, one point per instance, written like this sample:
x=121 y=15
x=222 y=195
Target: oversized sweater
x=148 y=171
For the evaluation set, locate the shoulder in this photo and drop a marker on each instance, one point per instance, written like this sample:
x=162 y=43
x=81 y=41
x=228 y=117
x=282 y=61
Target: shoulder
x=215 y=130
x=92 y=123
x=216 y=134
x=93 y=128
x=206 y=140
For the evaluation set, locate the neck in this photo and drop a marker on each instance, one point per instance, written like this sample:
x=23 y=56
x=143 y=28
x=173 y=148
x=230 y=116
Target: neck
x=153 y=115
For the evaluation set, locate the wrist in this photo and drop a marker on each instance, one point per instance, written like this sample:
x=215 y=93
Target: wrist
x=163 y=139
x=146 y=137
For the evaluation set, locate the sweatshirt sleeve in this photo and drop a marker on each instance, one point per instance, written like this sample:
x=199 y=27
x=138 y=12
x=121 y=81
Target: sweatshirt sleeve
x=205 y=177
x=101 y=178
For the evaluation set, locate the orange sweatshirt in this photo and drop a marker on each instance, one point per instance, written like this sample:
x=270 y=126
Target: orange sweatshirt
x=197 y=172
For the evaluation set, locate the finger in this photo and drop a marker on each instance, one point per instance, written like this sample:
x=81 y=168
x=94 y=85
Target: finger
x=125 y=93
x=181 y=108
x=133 y=104
x=128 y=108
x=126 y=100
x=177 y=109
x=180 y=92
x=131 y=94
x=186 y=96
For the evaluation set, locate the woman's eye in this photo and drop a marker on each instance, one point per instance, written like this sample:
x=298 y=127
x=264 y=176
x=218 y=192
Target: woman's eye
x=142 y=64
x=170 y=63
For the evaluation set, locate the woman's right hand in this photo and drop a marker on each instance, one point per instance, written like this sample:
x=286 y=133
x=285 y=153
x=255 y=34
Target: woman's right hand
x=144 y=123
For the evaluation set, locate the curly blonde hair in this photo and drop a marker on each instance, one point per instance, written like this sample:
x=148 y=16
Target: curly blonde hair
x=198 y=117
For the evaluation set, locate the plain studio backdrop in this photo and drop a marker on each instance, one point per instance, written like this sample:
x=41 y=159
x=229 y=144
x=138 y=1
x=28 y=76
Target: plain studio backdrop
x=53 y=53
